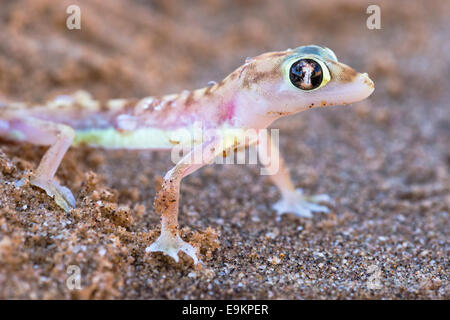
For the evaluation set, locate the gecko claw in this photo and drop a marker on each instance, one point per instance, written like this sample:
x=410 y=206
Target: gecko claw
x=300 y=205
x=170 y=245
x=62 y=195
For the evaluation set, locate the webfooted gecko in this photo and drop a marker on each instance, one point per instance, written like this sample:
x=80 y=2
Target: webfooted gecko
x=265 y=88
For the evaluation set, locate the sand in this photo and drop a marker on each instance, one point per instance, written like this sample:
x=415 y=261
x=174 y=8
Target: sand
x=384 y=161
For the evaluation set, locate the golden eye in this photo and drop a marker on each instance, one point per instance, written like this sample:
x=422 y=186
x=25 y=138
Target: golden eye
x=308 y=74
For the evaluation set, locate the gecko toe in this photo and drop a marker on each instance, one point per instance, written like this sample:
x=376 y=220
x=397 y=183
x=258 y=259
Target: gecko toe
x=313 y=207
x=62 y=195
x=67 y=195
x=321 y=198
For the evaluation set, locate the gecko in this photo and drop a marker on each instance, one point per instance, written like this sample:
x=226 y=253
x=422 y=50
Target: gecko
x=265 y=88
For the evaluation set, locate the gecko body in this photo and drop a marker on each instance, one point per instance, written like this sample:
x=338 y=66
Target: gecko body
x=264 y=89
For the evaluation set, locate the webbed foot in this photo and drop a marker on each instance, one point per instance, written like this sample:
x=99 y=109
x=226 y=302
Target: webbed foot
x=170 y=245
x=62 y=195
x=300 y=205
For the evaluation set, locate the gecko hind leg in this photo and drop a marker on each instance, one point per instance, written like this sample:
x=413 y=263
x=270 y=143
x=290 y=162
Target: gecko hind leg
x=59 y=137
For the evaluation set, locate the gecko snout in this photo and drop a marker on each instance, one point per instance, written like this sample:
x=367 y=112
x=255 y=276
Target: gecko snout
x=365 y=84
x=365 y=78
x=345 y=90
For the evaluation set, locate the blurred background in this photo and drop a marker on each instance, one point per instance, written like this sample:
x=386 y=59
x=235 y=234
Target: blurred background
x=385 y=160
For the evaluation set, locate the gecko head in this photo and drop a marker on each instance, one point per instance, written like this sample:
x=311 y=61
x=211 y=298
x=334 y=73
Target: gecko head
x=305 y=77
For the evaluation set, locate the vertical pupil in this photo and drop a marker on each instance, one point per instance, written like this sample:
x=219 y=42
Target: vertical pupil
x=306 y=74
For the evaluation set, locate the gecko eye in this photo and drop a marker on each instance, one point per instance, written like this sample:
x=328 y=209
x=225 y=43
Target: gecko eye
x=308 y=74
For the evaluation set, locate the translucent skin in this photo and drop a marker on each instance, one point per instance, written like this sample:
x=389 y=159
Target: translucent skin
x=253 y=96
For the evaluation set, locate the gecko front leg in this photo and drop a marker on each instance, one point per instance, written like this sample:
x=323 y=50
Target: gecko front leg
x=292 y=200
x=167 y=200
x=59 y=137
